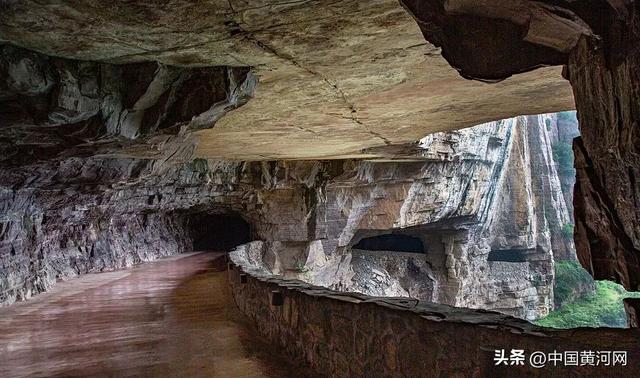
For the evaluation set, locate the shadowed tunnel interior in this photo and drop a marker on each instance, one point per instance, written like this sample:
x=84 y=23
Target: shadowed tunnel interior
x=391 y=242
x=508 y=255
x=218 y=232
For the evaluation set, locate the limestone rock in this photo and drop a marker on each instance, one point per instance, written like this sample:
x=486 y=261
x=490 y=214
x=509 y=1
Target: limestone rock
x=489 y=239
x=599 y=43
x=335 y=77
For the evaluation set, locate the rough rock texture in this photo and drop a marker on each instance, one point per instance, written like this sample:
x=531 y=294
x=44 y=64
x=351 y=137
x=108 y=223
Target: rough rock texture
x=65 y=217
x=457 y=196
x=54 y=108
x=349 y=76
x=335 y=77
x=489 y=239
x=479 y=39
x=473 y=205
x=353 y=75
x=402 y=337
x=632 y=307
x=563 y=129
x=108 y=225
x=607 y=195
x=600 y=43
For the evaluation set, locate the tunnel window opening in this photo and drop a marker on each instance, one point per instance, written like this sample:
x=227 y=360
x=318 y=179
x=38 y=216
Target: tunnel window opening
x=508 y=255
x=219 y=232
x=391 y=242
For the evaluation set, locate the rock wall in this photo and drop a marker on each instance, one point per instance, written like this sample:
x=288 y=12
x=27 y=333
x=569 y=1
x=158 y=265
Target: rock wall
x=40 y=253
x=462 y=195
x=500 y=196
x=475 y=194
x=117 y=140
x=65 y=217
x=80 y=216
x=404 y=337
x=73 y=198
x=564 y=129
x=54 y=108
x=606 y=84
x=598 y=41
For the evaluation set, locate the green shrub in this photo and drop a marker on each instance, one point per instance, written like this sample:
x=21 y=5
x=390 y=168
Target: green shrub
x=568 y=116
x=563 y=156
x=603 y=309
x=567 y=231
x=570 y=276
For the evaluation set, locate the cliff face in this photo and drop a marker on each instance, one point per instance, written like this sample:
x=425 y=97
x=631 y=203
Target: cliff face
x=514 y=209
x=485 y=203
x=607 y=193
x=598 y=41
x=72 y=198
x=489 y=239
x=60 y=113
x=116 y=140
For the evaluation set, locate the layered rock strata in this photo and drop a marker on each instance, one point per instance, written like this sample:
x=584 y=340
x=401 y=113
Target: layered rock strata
x=389 y=86
x=68 y=118
x=336 y=77
x=485 y=203
x=599 y=42
x=489 y=240
x=56 y=108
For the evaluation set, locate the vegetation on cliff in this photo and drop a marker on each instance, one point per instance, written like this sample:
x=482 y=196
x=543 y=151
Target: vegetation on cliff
x=573 y=282
x=604 y=308
x=563 y=156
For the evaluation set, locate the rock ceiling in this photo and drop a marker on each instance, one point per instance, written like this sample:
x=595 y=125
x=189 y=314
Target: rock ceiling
x=335 y=77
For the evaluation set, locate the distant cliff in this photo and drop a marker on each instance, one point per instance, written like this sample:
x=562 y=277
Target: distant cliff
x=470 y=218
x=485 y=203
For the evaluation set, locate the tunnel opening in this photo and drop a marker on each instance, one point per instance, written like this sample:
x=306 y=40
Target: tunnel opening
x=391 y=242
x=508 y=255
x=218 y=232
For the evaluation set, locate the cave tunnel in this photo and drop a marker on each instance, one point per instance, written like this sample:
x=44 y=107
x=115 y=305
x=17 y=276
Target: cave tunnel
x=508 y=255
x=218 y=232
x=391 y=242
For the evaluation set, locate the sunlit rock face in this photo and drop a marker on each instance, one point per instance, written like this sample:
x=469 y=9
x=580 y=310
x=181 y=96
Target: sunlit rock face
x=485 y=205
x=599 y=41
x=486 y=241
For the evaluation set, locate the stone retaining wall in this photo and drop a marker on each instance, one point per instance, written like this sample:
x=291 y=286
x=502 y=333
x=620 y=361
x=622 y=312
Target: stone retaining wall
x=353 y=335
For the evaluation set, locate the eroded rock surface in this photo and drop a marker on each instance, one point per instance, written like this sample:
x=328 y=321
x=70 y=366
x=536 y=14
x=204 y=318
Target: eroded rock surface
x=79 y=195
x=335 y=77
x=599 y=41
x=355 y=78
x=485 y=202
x=55 y=108
x=607 y=194
x=461 y=196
